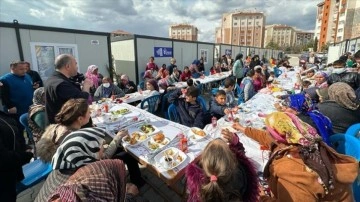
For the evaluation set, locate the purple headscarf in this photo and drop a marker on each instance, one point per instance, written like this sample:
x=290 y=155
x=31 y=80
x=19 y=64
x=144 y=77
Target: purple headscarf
x=154 y=83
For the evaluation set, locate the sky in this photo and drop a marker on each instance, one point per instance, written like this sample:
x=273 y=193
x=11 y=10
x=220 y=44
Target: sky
x=153 y=17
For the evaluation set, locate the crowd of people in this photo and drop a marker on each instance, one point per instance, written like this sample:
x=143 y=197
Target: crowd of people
x=301 y=166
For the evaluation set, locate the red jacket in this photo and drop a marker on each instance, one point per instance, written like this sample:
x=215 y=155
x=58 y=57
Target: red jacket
x=185 y=76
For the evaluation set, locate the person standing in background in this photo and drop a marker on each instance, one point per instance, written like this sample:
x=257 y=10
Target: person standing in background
x=172 y=65
x=238 y=68
x=59 y=88
x=36 y=79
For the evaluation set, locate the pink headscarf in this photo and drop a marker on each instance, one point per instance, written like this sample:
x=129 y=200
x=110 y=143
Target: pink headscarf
x=93 y=77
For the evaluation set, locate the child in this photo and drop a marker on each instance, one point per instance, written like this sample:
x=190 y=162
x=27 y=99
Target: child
x=186 y=74
x=189 y=109
x=229 y=85
x=218 y=106
x=224 y=173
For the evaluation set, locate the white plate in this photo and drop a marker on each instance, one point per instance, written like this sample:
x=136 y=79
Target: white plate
x=192 y=136
x=127 y=143
x=119 y=108
x=150 y=141
x=172 y=152
x=156 y=130
x=108 y=118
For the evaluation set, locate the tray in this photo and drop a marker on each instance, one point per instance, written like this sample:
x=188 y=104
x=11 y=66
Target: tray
x=126 y=140
x=193 y=136
x=173 y=153
x=154 y=146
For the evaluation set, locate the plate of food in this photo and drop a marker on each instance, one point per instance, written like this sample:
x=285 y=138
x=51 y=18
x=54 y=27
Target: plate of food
x=170 y=158
x=135 y=138
x=156 y=142
x=148 y=129
x=196 y=133
x=109 y=118
x=119 y=111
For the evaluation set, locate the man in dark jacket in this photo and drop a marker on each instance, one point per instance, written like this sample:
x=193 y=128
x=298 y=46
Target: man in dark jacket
x=13 y=156
x=59 y=88
x=339 y=74
x=190 y=110
x=36 y=79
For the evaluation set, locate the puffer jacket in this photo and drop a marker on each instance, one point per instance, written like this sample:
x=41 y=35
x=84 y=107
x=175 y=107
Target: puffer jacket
x=50 y=141
x=351 y=78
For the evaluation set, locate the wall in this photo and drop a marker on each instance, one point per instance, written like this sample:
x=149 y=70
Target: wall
x=185 y=53
x=8 y=49
x=124 y=60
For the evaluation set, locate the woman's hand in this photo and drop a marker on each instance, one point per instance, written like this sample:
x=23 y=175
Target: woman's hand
x=121 y=134
x=238 y=127
x=132 y=189
x=227 y=111
x=227 y=135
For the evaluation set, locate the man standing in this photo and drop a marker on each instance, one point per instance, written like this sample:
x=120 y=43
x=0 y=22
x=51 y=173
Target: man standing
x=17 y=90
x=59 y=88
x=172 y=65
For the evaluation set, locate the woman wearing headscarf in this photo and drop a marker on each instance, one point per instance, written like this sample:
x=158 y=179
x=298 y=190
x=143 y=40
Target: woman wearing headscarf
x=93 y=74
x=36 y=117
x=238 y=68
x=107 y=89
x=79 y=148
x=342 y=107
x=301 y=167
x=321 y=79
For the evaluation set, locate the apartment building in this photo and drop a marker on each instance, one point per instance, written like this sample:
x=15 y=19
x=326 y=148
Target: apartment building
x=302 y=37
x=337 y=20
x=243 y=28
x=183 y=32
x=283 y=35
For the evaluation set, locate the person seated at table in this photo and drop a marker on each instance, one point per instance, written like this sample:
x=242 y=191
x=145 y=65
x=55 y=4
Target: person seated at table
x=74 y=114
x=339 y=74
x=148 y=75
x=110 y=176
x=224 y=173
x=215 y=69
x=229 y=85
x=126 y=85
x=194 y=73
x=310 y=76
x=342 y=108
x=191 y=82
x=186 y=74
x=161 y=73
x=107 y=89
x=247 y=86
x=259 y=81
x=36 y=116
x=152 y=86
x=321 y=79
x=79 y=148
x=301 y=166
x=218 y=105
x=189 y=109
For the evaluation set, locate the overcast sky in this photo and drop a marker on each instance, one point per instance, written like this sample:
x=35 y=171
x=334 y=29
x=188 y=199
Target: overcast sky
x=152 y=17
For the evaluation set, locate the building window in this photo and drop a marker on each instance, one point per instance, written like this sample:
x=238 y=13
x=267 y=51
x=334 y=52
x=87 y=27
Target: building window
x=242 y=23
x=235 y=23
x=249 y=23
x=224 y=19
x=257 y=17
x=340 y=30
x=235 y=18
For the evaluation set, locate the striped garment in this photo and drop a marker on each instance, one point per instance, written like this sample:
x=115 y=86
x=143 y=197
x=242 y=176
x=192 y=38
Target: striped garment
x=79 y=148
x=99 y=181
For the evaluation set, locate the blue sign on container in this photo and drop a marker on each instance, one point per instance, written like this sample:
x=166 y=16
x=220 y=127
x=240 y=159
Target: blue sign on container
x=163 y=52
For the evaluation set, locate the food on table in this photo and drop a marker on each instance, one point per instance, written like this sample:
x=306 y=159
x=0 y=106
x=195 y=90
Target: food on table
x=198 y=132
x=120 y=111
x=135 y=138
x=147 y=128
x=159 y=137
x=169 y=152
x=237 y=120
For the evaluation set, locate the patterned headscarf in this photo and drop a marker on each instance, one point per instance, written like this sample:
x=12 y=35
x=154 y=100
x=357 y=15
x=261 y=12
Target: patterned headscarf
x=93 y=77
x=79 y=148
x=99 y=181
x=344 y=95
x=38 y=98
x=287 y=128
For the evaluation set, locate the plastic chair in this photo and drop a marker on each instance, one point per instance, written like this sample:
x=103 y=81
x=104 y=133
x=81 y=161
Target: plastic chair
x=34 y=172
x=142 y=74
x=277 y=72
x=152 y=103
x=173 y=114
x=24 y=122
x=142 y=85
x=207 y=73
x=164 y=105
x=349 y=145
x=202 y=102
x=354 y=130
